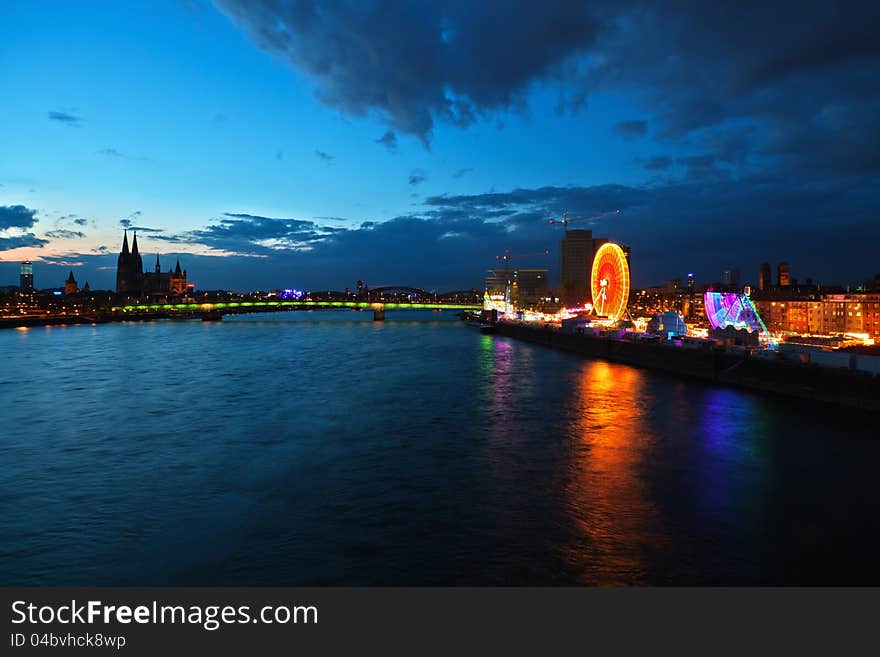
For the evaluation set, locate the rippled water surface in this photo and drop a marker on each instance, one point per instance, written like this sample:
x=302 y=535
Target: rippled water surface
x=324 y=448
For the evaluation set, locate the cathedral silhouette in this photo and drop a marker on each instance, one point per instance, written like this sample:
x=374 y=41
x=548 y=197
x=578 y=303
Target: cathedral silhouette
x=131 y=279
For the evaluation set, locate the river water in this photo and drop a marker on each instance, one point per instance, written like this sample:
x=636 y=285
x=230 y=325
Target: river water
x=323 y=448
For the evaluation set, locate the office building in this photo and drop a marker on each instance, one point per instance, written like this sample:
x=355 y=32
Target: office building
x=26 y=279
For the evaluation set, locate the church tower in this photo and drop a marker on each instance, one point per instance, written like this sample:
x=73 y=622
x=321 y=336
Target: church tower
x=137 y=263
x=129 y=268
x=70 y=286
x=122 y=266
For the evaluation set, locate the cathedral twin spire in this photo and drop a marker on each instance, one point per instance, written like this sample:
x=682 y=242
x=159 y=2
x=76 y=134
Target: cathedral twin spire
x=131 y=278
x=129 y=266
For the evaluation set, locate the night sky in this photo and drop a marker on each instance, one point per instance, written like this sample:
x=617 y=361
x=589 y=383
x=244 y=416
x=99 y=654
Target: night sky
x=273 y=143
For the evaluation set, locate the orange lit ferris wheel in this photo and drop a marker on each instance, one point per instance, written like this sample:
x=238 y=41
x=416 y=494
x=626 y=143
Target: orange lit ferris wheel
x=610 y=281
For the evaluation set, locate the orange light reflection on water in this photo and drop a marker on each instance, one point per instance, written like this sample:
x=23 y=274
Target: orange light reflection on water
x=611 y=501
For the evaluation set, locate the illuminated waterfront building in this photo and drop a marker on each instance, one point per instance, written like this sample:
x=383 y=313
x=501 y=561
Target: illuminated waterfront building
x=528 y=287
x=828 y=314
x=26 y=278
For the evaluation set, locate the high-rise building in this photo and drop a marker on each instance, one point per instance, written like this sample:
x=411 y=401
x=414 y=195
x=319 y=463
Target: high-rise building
x=692 y=284
x=70 y=286
x=783 y=274
x=730 y=277
x=764 y=280
x=26 y=279
x=576 y=263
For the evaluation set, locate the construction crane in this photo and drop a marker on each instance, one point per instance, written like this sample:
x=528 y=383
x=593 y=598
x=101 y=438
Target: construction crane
x=570 y=220
x=507 y=257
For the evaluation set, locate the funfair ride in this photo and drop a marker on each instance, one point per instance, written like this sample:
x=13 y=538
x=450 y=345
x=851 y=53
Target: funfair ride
x=736 y=310
x=609 y=282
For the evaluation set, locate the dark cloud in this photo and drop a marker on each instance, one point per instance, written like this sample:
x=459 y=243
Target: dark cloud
x=415 y=63
x=461 y=173
x=388 y=140
x=658 y=163
x=416 y=177
x=797 y=79
x=63 y=234
x=552 y=201
x=67 y=119
x=128 y=222
x=16 y=216
x=702 y=166
x=18 y=241
x=254 y=235
x=785 y=84
x=631 y=129
x=68 y=221
x=673 y=228
x=326 y=157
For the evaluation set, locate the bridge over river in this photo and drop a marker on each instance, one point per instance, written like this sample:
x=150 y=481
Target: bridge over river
x=216 y=310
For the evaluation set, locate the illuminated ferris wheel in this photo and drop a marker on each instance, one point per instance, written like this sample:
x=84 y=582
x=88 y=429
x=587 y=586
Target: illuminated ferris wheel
x=610 y=281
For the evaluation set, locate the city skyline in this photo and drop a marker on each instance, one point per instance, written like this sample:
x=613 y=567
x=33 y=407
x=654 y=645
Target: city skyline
x=296 y=156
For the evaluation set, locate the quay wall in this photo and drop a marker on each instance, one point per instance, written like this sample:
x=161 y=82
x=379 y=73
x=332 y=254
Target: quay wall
x=840 y=387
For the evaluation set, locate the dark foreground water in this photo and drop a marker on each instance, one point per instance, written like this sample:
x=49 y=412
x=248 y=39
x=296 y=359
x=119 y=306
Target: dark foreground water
x=323 y=448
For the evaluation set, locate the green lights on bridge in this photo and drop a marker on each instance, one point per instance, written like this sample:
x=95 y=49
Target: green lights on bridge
x=293 y=305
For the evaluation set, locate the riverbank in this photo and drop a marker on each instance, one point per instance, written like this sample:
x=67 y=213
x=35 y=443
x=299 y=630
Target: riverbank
x=837 y=386
x=60 y=320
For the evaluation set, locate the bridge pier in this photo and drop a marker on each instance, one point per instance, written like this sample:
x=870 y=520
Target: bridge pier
x=379 y=315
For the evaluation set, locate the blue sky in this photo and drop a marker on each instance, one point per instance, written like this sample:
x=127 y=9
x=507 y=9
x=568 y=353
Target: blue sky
x=244 y=137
